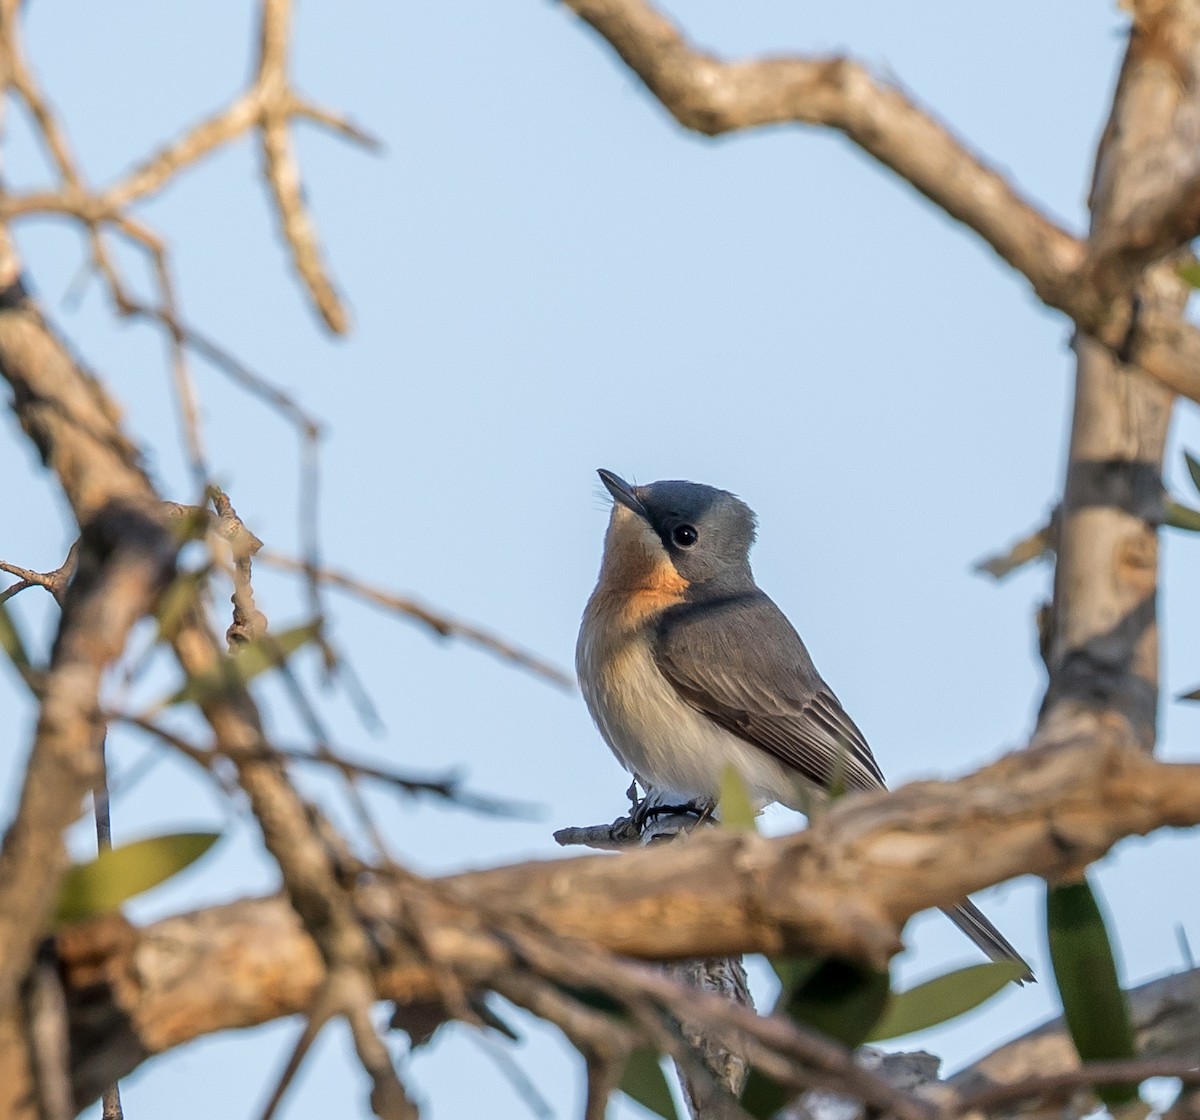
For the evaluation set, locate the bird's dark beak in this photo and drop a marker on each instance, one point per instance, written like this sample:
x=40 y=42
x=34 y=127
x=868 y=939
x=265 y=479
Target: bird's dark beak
x=623 y=493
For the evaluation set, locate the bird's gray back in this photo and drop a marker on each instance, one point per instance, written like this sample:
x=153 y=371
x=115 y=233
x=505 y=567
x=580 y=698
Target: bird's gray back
x=732 y=653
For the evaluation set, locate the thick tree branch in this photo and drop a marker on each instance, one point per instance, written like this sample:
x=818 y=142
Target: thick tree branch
x=846 y=885
x=74 y=423
x=1166 y=1021
x=713 y=96
x=1102 y=647
x=1147 y=179
x=126 y=557
x=269 y=105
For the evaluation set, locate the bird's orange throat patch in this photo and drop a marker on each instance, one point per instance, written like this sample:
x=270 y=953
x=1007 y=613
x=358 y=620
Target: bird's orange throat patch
x=663 y=588
x=637 y=578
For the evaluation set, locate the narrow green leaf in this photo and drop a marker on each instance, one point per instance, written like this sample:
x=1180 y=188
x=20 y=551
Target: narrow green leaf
x=944 y=997
x=1189 y=273
x=1094 y=1005
x=1194 y=694
x=1179 y=516
x=190 y=523
x=792 y=972
x=1193 y=466
x=102 y=884
x=840 y=999
x=734 y=807
x=762 y=1097
x=596 y=999
x=267 y=652
x=644 y=1082
x=177 y=600
x=11 y=643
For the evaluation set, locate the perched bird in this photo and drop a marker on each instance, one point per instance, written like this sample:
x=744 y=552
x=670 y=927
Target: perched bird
x=688 y=668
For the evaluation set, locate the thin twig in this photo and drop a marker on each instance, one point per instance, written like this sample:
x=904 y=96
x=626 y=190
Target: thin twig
x=55 y=582
x=522 y=1084
x=441 y=624
x=1032 y=547
x=111 y=1108
x=248 y=622
x=224 y=361
x=281 y=167
x=446 y=788
x=318 y=1015
x=781 y=1048
x=185 y=389
x=16 y=588
x=1091 y=1073
x=48 y=1036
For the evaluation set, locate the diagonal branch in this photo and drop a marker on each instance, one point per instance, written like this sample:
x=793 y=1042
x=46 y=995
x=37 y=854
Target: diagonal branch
x=1149 y=189
x=269 y=106
x=127 y=556
x=441 y=624
x=844 y=886
x=75 y=425
x=713 y=96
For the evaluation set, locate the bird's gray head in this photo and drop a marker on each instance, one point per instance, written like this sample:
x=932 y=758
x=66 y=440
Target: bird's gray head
x=703 y=532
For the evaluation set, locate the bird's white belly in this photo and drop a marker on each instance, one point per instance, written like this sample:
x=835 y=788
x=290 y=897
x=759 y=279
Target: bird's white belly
x=663 y=740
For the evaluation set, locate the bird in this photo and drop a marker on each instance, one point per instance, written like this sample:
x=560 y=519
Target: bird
x=688 y=668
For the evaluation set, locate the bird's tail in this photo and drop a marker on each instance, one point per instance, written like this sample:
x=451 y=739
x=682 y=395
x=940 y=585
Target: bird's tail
x=970 y=919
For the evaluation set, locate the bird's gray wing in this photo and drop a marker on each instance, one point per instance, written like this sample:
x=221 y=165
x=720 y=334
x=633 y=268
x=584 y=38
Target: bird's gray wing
x=737 y=659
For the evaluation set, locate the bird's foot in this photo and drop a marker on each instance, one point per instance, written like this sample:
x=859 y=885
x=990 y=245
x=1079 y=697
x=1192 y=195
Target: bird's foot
x=645 y=811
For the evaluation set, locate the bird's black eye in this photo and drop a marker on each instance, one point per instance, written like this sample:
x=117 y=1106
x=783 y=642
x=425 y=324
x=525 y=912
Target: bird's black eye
x=684 y=536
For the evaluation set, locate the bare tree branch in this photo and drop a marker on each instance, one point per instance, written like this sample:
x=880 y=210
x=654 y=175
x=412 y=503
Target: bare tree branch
x=1166 y=1020
x=441 y=624
x=713 y=96
x=74 y=424
x=1149 y=190
x=1101 y=646
x=127 y=556
x=845 y=885
x=269 y=106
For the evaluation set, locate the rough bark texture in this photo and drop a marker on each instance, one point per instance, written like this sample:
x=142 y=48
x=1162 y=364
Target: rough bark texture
x=75 y=425
x=849 y=883
x=1102 y=648
x=1166 y=1020
x=1094 y=289
x=127 y=558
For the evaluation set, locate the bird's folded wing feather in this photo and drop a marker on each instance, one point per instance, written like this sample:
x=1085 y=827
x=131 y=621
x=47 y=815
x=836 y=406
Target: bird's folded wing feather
x=739 y=661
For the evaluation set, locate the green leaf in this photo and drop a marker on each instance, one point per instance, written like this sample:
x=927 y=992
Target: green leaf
x=792 y=972
x=257 y=656
x=1189 y=273
x=102 y=884
x=840 y=999
x=177 y=600
x=1179 y=516
x=1094 y=1005
x=1193 y=466
x=734 y=807
x=596 y=999
x=762 y=1097
x=190 y=523
x=1194 y=694
x=944 y=997
x=11 y=643
x=644 y=1082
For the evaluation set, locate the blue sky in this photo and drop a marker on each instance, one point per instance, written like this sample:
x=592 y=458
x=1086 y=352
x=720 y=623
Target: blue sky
x=547 y=276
